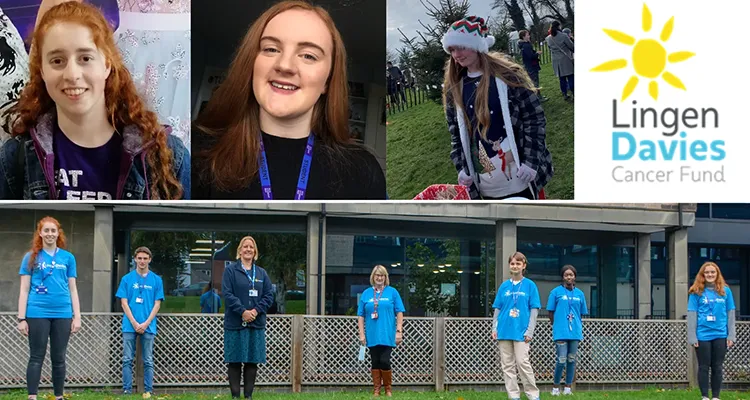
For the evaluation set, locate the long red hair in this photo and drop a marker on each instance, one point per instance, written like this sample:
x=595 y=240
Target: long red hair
x=699 y=285
x=37 y=243
x=124 y=105
x=232 y=115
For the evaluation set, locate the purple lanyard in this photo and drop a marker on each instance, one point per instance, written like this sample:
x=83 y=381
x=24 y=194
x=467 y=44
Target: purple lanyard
x=304 y=172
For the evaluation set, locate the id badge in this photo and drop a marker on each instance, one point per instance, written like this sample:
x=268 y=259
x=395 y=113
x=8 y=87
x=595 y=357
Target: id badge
x=514 y=313
x=139 y=300
x=711 y=318
x=41 y=289
x=374 y=315
x=253 y=293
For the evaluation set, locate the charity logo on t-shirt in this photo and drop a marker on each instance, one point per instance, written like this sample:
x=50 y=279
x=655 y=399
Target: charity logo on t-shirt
x=83 y=173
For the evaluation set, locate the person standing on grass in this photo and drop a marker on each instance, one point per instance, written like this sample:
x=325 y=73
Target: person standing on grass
x=248 y=294
x=516 y=307
x=141 y=293
x=210 y=300
x=495 y=118
x=566 y=305
x=562 y=50
x=711 y=325
x=48 y=306
x=530 y=60
x=381 y=321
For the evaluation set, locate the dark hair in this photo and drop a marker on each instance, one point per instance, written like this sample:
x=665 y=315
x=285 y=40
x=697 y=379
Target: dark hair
x=389 y=63
x=208 y=287
x=522 y=34
x=567 y=267
x=143 y=249
x=554 y=28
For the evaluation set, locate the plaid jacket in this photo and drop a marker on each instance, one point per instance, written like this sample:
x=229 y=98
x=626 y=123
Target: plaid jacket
x=529 y=126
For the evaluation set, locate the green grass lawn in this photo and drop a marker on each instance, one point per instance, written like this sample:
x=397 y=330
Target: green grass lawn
x=259 y=395
x=418 y=145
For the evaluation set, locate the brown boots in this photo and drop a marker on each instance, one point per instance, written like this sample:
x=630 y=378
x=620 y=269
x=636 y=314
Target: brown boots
x=387 y=381
x=376 y=378
x=379 y=375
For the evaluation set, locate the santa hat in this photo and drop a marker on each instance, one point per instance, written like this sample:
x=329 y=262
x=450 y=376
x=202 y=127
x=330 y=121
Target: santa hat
x=471 y=33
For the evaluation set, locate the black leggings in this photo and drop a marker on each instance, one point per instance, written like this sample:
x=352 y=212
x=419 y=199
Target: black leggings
x=711 y=355
x=381 y=357
x=235 y=372
x=57 y=331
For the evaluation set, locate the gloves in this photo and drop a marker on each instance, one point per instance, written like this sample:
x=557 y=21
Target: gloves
x=463 y=179
x=526 y=174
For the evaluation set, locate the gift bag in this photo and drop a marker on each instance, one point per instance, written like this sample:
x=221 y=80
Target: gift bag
x=444 y=192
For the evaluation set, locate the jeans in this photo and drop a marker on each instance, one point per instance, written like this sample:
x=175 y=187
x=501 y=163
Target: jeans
x=567 y=351
x=381 y=357
x=57 y=331
x=147 y=347
x=566 y=82
x=711 y=355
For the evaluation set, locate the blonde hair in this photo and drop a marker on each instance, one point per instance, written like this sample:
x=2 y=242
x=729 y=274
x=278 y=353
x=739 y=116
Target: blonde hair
x=242 y=242
x=492 y=65
x=379 y=269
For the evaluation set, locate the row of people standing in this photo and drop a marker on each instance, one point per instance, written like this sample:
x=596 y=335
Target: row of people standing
x=49 y=312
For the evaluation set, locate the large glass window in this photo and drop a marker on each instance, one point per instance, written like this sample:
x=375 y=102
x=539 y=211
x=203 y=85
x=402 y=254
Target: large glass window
x=658 y=281
x=191 y=265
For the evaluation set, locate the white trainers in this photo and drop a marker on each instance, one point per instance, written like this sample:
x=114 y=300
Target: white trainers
x=567 y=391
x=555 y=391
x=705 y=398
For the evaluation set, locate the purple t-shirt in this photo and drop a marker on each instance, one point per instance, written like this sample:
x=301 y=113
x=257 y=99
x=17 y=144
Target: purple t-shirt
x=83 y=173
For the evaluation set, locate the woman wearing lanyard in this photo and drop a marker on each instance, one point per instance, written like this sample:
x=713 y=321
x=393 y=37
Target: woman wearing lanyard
x=248 y=294
x=283 y=131
x=566 y=305
x=710 y=325
x=48 y=307
x=381 y=321
x=516 y=307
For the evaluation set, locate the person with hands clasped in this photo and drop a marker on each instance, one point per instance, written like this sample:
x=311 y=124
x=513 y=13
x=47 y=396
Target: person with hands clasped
x=516 y=307
x=381 y=321
x=248 y=294
x=48 y=306
x=141 y=293
x=566 y=304
x=711 y=327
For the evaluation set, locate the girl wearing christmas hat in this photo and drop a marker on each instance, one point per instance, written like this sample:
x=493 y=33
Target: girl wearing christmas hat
x=495 y=118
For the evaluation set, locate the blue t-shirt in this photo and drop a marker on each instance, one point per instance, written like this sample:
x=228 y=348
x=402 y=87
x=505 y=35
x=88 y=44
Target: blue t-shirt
x=563 y=302
x=210 y=302
x=380 y=331
x=520 y=299
x=83 y=173
x=712 y=311
x=51 y=272
x=149 y=289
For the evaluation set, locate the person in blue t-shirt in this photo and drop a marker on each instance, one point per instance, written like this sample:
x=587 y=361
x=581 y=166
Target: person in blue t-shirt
x=566 y=304
x=210 y=300
x=248 y=294
x=381 y=321
x=48 y=306
x=141 y=293
x=516 y=307
x=711 y=327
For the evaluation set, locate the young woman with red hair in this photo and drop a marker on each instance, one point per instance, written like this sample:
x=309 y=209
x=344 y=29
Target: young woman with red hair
x=278 y=126
x=710 y=325
x=81 y=130
x=48 y=306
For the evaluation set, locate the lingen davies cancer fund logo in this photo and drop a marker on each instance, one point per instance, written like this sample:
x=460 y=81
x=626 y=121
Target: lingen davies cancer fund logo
x=661 y=133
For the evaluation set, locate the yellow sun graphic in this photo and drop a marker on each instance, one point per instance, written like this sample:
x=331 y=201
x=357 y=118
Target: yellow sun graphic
x=649 y=58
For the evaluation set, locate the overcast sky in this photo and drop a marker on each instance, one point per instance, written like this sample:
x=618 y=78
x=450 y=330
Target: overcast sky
x=404 y=14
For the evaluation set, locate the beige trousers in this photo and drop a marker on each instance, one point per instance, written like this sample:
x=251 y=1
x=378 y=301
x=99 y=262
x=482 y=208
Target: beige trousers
x=516 y=355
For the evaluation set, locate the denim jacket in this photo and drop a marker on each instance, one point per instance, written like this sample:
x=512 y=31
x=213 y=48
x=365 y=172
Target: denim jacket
x=37 y=179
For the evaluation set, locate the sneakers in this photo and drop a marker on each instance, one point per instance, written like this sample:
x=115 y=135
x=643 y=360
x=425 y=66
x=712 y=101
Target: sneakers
x=705 y=398
x=555 y=391
x=567 y=392
x=147 y=395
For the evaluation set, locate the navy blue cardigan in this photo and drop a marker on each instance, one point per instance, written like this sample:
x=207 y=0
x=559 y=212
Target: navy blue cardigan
x=235 y=287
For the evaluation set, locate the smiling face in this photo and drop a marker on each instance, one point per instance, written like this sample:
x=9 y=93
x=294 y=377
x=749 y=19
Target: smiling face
x=142 y=260
x=74 y=70
x=247 y=251
x=292 y=68
x=569 y=277
x=49 y=234
x=516 y=267
x=465 y=57
x=710 y=274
